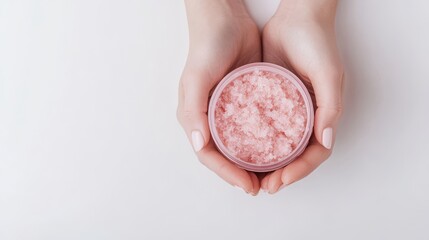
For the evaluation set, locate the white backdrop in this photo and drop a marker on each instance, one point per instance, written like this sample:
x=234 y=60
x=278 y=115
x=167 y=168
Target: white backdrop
x=90 y=147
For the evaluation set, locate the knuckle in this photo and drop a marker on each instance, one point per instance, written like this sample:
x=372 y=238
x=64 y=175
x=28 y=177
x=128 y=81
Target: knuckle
x=187 y=114
x=184 y=81
x=308 y=165
x=338 y=109
x=184 y=84
x=222 y=169
x=332 y=110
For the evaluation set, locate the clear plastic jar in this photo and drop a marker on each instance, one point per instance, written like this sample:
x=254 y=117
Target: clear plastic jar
x=278 y=74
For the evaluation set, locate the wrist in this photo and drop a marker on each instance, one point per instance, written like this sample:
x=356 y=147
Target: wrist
x=216 y=8
x=319 y=10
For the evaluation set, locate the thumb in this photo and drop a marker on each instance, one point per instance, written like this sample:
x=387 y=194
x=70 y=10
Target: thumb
x=328 y=92
x=194 y=91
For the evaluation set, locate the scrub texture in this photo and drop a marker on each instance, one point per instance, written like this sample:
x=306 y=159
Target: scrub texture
x=260 y=117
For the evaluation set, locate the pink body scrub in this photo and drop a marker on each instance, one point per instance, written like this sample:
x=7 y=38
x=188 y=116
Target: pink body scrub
x=261 y=117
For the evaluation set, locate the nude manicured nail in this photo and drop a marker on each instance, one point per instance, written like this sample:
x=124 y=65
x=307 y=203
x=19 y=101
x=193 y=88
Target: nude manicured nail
x=282 y=186
x=197 y=140
x=327 y=138
x=286 y=181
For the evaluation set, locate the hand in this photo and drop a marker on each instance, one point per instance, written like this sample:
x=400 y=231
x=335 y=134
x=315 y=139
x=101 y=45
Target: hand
x=301 y=38
x=222 y=37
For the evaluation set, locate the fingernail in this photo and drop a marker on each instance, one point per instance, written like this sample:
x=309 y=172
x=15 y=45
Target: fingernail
x=197 y=140
x=327 y=138
x=278 y=189
x=286 y=181
x=282 y=186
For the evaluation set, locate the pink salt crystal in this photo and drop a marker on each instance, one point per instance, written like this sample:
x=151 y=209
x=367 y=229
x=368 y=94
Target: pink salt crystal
x=261 y=117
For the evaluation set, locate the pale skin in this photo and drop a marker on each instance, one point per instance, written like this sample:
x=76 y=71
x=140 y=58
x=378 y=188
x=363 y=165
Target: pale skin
x=300 y=37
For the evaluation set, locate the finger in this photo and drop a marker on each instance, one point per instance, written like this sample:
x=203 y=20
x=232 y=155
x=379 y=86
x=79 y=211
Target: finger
x=264 y=182
x=256 y=185
x=312 y=157
x=327 y=87
x=194 y=91
x=212 y=159
x=275 y=181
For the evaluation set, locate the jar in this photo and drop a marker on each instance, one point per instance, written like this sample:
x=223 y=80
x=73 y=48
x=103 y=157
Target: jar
x=261 y=117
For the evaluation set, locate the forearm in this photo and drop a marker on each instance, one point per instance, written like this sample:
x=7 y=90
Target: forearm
x=324 y=10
